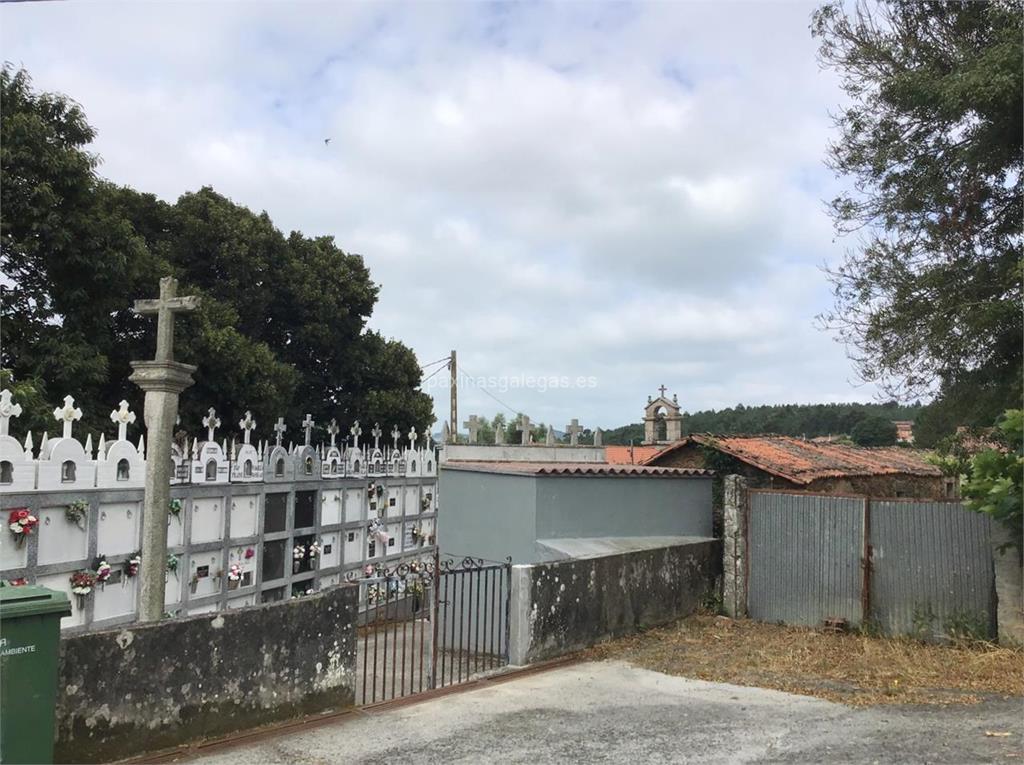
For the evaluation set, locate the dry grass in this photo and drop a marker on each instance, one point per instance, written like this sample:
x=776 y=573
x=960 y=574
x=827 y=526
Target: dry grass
x=849 y=668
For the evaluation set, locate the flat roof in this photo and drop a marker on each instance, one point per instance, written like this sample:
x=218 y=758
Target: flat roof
x=576 y=469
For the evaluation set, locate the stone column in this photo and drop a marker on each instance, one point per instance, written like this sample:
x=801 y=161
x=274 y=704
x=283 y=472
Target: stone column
x=734 y=547
x=1009 y=576
x=162 y=381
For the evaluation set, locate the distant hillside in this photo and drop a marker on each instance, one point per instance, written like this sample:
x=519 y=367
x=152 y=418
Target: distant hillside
x=786 y=419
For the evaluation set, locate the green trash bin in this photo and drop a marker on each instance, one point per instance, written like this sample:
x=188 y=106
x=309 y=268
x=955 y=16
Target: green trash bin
x=29 y=654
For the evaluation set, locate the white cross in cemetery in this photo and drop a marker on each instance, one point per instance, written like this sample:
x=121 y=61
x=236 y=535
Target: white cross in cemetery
x=574 y=429
x=376 y=433
x=356 y=431
x=67 y=414
x=163 y=379
x=412 y=438
x=8 y=409
x=247 y=424
x=308 y=424
x=123 y=418
x=279 y=429
x=396 y=434
x=333 y=430
x=473 y=426
x=211 y=422
x=524 y=426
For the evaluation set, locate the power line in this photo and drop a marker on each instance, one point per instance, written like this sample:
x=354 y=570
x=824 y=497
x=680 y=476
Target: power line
x=491 y=395
x=431 y=363
x=439 y=369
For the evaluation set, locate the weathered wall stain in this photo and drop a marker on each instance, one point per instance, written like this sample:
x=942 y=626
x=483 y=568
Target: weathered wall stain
x=574 y=604
x=147 y=687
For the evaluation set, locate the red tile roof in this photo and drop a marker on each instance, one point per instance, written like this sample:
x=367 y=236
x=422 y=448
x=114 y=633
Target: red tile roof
x=574 y=468
x=630 y=455
x=803 y=461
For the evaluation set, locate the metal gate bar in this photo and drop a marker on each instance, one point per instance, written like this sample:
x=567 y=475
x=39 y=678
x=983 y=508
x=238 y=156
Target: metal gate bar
x=427 y=625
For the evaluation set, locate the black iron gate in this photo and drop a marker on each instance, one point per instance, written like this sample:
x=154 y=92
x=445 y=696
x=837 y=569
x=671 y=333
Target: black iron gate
x=429 y=625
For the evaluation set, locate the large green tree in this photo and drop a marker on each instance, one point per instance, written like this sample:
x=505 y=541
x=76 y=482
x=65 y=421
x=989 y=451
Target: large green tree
x=929 y=297
x=282 y=327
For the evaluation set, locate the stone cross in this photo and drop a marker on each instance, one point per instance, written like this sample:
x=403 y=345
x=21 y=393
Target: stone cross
x=279 y=429
x=396 y=434
x=211 y=422
x=598 y=437
x=247 y=424
x=165 y=307
x=662 y=390
x=549 y=437
x=499 y=434
x=376 y=433
x=574 y=429
x=473 y=426
x=67 y=414
x=162 y=379
x=7 y=411
x=356 y=431
x=524 y=426
x=412 y=438
x=307 y=425
x=123 y=418
x=333 y=430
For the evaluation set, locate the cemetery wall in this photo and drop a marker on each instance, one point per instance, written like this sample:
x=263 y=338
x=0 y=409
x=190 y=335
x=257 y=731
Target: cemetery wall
x=565 y=606
x=122 y=694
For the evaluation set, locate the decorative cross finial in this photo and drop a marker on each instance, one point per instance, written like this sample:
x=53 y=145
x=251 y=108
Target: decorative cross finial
x=211 y=422
x=333 y=430
x=662 y=390
x=247 y=424
x=67 y=414
x=574 y=429
x=356 y=431
x=412 y=438
x=524 y=426
x=165 y=307
x=376 y=433
x=8 y=409
x=123 y=418
x=308 y=424
x=473 y=426
x=279 y=429
x=395 y=435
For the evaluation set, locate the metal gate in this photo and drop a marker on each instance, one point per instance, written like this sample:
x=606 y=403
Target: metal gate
x=921 y=567
x=429 y=625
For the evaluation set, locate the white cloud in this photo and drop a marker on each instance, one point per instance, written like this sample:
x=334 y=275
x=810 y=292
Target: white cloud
x=629 y=193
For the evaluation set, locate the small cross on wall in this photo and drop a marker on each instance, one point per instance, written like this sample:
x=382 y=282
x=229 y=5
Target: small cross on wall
x=356 y=431
x=307 y=425
x=376 y=433
x=211 y=422
x=473 y=426
x=8 y=409
x=123 y=418
x=67 y=414
x=279 y=430
x=333 y=430
x=396 y=435
x=412 y=438
x=247 y=424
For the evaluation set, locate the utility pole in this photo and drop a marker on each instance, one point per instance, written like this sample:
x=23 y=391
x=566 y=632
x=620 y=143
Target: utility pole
x=454 y=370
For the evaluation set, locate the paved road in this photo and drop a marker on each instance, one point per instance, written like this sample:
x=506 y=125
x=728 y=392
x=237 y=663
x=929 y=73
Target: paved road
x=614 y=712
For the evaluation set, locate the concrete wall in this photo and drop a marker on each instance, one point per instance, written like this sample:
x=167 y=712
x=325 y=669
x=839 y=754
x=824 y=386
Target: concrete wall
x=598 y=506
x=520 y=453
x=487 y=515
x=143 y=688
x=561 y=607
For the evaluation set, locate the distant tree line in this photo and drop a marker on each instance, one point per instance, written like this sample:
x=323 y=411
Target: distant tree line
x=801 y=420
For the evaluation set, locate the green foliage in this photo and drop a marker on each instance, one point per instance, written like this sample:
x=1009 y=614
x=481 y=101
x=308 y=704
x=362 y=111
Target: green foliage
x=874 y=431
x=810 y=420
x=994 y=485
x=931 y=136
x=282 y=327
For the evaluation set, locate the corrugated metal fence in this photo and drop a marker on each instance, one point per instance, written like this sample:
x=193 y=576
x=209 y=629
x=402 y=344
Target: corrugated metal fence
x=905 y=566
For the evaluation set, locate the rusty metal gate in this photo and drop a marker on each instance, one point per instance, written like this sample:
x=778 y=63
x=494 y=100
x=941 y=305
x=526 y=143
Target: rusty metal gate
x=909 y=566
x=429 y=625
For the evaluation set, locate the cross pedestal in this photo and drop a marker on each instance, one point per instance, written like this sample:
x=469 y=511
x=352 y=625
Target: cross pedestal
x=162 y=380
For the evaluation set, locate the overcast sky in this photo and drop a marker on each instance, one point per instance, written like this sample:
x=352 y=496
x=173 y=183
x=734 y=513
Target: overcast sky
x=615 y=195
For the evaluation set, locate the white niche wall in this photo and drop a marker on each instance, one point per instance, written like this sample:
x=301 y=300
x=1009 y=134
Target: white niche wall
x=244 y=515
x=118 y=527
x=330 y=512
x=61 y=540
x=207 y=519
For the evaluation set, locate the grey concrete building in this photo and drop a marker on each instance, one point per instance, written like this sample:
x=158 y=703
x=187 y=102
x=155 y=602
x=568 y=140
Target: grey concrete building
x=535 y=512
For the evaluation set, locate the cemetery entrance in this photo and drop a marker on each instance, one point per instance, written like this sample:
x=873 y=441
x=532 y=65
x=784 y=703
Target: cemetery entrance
x=424 y=626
